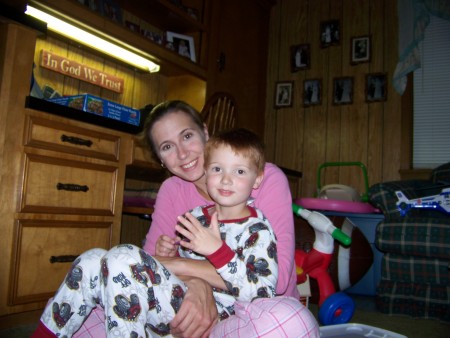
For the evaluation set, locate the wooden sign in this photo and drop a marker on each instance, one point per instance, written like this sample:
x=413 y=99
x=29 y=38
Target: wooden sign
x=82 y=72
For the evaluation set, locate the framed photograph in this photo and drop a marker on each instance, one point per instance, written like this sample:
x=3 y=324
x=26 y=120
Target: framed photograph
x=182 y=44
x=376 y=87
x=343 y=90
x=330 y=33
x=360 y=49
x=283 y=94
x=312 y=92
x=300 y=57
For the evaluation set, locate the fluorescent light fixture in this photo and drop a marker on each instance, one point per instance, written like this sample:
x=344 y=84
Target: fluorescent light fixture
x=95 y=41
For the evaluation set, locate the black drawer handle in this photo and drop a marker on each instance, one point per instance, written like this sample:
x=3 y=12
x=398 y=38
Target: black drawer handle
x=72 y=187
x=76 y=140
x=63 y=259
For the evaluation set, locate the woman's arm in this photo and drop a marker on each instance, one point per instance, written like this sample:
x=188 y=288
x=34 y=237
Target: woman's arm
x=274 y=199
x=193 y=268
x=164 y=217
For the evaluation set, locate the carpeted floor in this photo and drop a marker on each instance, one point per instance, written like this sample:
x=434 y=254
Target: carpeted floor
x=365 y=313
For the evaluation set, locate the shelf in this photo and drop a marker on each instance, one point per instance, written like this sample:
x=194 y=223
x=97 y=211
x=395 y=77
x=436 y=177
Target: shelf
x=164 y=15
x=79 y=115
x=171 y=63
x=137 y=210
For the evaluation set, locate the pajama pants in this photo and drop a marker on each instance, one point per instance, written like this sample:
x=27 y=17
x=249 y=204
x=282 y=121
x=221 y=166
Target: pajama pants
x=139 y=295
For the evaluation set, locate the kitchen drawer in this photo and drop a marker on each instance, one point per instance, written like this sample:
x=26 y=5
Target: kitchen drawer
x=57 y=136
x=53 y=185
x=43 y=253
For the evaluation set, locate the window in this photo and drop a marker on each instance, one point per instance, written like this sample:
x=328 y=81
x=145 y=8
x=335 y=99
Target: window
x=432 y=97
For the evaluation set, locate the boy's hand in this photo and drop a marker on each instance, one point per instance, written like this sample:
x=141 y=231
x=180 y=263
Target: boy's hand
x=166 y=246
x=200 y=239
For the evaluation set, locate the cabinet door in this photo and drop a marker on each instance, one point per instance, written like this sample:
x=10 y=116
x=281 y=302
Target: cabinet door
x=238 y=57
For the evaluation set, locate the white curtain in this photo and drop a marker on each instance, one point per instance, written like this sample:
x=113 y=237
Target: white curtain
x=414 y=17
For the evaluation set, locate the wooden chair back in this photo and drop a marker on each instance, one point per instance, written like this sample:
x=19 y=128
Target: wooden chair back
x=219 y=112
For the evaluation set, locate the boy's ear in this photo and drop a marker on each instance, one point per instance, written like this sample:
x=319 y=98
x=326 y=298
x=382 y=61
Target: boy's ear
x=258 y=181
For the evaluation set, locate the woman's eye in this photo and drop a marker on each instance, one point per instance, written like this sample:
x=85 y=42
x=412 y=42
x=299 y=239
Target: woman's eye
x=187 y=136
x=165 y=147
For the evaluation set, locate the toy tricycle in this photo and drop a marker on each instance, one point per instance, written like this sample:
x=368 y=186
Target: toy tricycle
x=334 y=307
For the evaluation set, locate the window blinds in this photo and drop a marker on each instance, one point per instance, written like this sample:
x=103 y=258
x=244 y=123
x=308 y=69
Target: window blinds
x=432 y=97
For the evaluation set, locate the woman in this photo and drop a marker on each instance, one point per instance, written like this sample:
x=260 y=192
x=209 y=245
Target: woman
x=177 y=135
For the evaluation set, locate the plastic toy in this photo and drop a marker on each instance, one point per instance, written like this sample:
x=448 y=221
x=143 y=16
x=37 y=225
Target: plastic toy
x=334 y=307
x=338 y=197
x=439 y=202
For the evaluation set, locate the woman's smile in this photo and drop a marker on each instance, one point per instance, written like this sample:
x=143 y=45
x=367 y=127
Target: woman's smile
x=189 y=165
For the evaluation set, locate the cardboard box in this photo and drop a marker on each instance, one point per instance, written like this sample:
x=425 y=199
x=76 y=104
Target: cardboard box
x=96 y=105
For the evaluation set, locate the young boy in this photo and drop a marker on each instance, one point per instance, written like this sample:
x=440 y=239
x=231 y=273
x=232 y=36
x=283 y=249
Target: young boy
x=235 y=237
x=141 y=294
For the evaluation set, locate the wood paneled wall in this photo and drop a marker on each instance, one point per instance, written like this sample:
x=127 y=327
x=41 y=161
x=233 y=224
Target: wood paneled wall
x=302 y=138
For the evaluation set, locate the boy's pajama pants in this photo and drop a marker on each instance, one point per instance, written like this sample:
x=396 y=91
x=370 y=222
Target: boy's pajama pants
x=135 y=290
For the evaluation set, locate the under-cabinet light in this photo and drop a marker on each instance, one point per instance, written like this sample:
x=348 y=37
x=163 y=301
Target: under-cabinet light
x=112 y=48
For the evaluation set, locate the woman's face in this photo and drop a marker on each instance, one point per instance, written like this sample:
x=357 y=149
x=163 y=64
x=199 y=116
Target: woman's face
x=179 y=143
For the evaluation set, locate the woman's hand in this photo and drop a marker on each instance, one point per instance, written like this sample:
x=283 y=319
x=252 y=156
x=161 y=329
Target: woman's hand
x=202 y=240
x=166 y=246
x=198 y=313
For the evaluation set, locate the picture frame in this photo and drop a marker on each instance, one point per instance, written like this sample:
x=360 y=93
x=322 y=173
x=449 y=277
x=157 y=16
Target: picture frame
x=360 y=49
x=300 y=57
x=182 y=44
x=343 y=90
x=312 y=92
x=330 y=33
x=376 y=87
x=283 y=94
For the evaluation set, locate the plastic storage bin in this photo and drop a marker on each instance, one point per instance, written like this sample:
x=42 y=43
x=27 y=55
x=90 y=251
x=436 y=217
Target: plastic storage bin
x=353 y=330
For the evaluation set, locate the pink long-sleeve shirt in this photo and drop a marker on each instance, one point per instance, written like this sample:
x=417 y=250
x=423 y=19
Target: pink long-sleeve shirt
x=273 y=197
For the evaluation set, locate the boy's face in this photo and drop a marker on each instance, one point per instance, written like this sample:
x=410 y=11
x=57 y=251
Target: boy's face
x=230 y=178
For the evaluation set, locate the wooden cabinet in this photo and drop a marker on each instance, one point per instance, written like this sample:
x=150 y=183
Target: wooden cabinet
x=61 y=184
x=71 y=180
